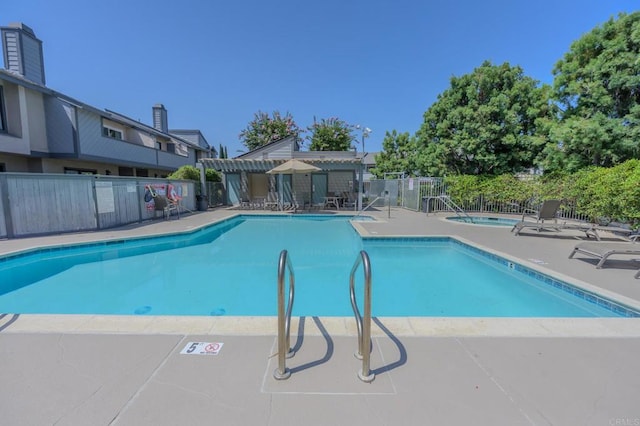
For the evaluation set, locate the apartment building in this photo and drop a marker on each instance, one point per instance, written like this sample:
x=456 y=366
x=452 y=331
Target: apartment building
x=45 y=131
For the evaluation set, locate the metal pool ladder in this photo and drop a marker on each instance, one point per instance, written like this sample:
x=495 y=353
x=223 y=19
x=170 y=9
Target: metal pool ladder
x=363 y=323
x=284 y=318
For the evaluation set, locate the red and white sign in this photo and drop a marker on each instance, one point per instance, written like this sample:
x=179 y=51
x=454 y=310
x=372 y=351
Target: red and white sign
x=202 y=348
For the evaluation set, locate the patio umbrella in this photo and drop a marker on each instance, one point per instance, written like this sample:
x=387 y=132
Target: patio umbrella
x=292 y=167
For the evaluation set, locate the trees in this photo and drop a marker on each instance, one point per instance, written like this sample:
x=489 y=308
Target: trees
x=597 y=85
x=398 y=155
x=487 y=122
x=223 y=152
x=330 y=134
x=264 y=129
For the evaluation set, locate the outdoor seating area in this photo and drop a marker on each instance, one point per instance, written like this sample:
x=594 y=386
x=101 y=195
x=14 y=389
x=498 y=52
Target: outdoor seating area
x=298 y=202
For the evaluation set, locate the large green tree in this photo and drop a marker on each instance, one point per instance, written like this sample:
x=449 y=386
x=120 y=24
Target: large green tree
x=491 y=121
x=597 y=85
x=265 y=128
x=397 y=156
x=331 y=134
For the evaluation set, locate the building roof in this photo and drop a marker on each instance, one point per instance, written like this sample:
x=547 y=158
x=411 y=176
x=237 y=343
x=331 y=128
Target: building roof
x=111 y=115
x=370 y=158
x=269 y=145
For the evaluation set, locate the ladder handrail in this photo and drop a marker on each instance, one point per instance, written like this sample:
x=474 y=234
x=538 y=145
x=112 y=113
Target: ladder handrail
x=369 y=205
x=284 y=318
x=453 y=206
x=364 y=324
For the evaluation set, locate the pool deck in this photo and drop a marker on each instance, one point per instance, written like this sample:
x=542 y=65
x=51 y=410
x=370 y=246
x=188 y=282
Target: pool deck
x=121 y=370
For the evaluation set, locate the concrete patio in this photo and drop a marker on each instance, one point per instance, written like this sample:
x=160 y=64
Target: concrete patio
x=121 y=370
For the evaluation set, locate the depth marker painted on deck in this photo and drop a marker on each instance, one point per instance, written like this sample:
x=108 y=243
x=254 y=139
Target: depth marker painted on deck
x=202 y=348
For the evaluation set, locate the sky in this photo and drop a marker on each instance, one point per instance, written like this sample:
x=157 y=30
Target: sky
x=214 y=64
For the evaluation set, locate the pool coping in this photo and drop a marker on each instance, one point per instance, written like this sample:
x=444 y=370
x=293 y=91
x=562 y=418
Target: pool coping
x=334 y=326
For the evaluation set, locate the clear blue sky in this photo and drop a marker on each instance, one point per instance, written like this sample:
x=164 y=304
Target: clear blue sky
x=213 y=64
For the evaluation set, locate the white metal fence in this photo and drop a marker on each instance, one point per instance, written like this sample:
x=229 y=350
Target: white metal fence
x=430 y=195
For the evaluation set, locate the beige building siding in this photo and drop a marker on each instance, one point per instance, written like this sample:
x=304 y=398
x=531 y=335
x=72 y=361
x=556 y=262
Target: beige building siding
x=258 y=184
x=140 y=138
x=13 y=163
x=57 y=166
x=36 y=120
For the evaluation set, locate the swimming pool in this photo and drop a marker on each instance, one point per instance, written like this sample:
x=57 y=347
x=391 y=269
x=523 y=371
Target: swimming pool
x=484 y=220
x=230 y=269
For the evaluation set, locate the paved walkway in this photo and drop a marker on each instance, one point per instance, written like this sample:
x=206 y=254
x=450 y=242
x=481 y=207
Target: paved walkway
x=97 y=370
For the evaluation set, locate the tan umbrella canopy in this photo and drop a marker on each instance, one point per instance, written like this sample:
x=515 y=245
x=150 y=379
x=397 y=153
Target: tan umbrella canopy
x=294 y=166
x=291 y=167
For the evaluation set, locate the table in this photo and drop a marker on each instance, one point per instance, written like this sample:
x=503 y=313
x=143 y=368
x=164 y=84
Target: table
x=328 y=201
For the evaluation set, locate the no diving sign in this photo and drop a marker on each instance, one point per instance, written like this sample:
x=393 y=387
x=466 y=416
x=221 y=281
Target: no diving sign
x=202 y=348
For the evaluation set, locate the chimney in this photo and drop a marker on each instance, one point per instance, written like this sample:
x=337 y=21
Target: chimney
x=23 y=52
x=160 y=118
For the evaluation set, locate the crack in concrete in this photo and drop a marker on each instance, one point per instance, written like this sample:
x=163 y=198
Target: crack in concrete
x=495 y=381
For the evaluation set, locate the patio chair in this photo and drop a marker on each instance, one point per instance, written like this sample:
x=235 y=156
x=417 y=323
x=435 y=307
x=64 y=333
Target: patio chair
x=245 y=203
x=258 y=202
x=602 y=251
x=548 y=211
x=297 y=202
x=271 y=201
x=166 y=206
x=348 y=202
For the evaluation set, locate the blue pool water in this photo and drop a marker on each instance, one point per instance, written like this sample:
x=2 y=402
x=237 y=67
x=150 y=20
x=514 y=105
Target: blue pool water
x=231 y=269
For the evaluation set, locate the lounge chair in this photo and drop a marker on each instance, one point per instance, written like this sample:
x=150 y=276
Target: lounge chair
x=618 y=229
x=602 y=251
x=547 y=213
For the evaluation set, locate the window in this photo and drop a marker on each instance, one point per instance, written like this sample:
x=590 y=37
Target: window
x=111 y=133
x=3 y=117
x=76 y=171
x=3 y=167
x=125 y=171
x=159 y=146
